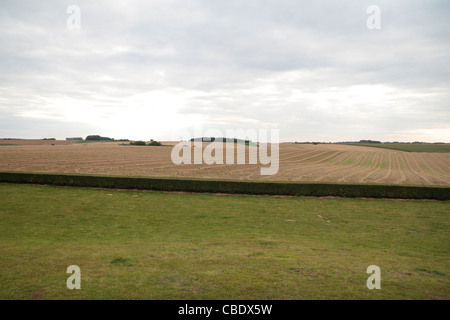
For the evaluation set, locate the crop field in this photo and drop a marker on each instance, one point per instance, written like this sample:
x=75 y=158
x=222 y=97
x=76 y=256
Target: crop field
x=298 y=162
x=409 y=147
x=153 y=245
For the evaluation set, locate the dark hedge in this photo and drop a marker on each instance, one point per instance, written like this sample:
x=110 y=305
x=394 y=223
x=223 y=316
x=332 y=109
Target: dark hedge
x=234 y=187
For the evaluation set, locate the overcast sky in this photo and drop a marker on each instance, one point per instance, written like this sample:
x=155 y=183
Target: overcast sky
x=157 y=69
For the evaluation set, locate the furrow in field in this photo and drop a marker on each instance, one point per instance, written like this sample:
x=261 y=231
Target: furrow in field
x=399 y=168
x=295 y=155
x=351 y=162
x=426 y=167
x=371 y=159
x=374 y=168
x=411 y=170
x=327 y=159
x=430 y=164
x=355 y=170
x=308 y=156
x=312 y=168
x=442 y=163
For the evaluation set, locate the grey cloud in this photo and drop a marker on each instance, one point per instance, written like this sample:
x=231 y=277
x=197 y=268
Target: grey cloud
x=26 y=128
x=221 y=52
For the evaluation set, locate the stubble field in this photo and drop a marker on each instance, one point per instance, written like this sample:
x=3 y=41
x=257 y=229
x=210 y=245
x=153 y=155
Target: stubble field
x=298 y=162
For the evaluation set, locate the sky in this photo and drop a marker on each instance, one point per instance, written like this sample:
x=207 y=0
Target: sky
x=161 y=69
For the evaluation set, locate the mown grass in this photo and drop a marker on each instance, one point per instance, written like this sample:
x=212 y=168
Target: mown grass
x=151 y=245
x=409 y=147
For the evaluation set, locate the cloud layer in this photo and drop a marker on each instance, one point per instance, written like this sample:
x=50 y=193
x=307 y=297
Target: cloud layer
x=154 y=69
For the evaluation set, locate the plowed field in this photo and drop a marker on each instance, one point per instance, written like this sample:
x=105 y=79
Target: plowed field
x=298 y=162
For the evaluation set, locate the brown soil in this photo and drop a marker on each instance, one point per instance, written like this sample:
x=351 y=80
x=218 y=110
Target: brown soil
x=321 y=163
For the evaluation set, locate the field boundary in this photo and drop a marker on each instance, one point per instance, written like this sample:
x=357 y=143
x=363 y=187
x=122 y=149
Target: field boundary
x=231 y=186
x=407 y=147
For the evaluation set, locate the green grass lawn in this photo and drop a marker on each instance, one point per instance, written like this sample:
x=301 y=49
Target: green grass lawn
x=151 y=245
x=409 y=147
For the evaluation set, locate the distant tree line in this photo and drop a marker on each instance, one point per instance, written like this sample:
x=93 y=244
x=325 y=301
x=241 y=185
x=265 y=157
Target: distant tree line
x=309 y=142
x=143 y=143
x=95 y=138
x=368 y=141
x=222 y=139
x=98 y=138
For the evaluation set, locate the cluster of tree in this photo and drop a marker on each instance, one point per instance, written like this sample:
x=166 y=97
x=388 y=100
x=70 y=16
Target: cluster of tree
x=143 y=143
x=308 y=142
x=222 y=139
x=155 y=143
x=100 y=138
